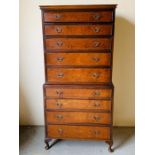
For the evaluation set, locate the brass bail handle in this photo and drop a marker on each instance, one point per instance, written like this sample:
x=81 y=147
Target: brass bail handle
x=58 y=16
x=58 y=29
x=96 y=59
x=59 y=43
x=96 y=16
x=59 y=116
x=96 y=75
x=96 y=104
x=60 y=59
x=60 y=75
x=96 y=93
x=96 y=44
x=59 y=93
x=97 y=29
x=97 y=118
x=60 y=131
x=59 y=104
x=96 y=132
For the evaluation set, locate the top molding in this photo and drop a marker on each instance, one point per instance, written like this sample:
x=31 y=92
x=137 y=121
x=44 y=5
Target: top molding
x=77 y=7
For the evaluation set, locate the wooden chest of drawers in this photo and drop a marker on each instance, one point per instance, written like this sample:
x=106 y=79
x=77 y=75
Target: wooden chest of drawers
x=78 y=89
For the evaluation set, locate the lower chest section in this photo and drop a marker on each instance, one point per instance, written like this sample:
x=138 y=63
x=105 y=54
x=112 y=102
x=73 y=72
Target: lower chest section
x=81 y=112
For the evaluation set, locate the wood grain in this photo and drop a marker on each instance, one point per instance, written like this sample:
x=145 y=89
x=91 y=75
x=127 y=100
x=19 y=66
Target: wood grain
x=73 y=104
x=78 y=59
x=78 y=53
x=77 y=117
x=79 y=30
x=100 y=16
x=84 y=93
x=78 y=43
x=78 y=132
x=69 y=75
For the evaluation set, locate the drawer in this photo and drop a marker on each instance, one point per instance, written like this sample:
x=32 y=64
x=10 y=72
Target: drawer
x=75 y=92
x=91 y=29
x=77 y=75
x=78 y=43
x=78 y=59
x=78 y=132
x=77 y=117
x=73 y=104
x=73 y=16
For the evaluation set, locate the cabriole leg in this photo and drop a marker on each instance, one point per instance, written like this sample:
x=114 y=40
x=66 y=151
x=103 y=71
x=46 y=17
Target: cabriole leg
x=53 y=141
x=110 y=143
x=47 y=143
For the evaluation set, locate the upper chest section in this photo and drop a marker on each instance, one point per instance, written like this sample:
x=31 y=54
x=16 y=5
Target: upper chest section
x=78 y=13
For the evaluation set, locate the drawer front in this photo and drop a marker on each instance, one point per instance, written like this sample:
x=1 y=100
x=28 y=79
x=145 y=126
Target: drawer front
x=78 y=43
x=68 y=75
x=78 y=132
x=78 y=29
x=99 y=16
x=58 y=104
x=78 y=59
x=83 y=93
x=78 y=117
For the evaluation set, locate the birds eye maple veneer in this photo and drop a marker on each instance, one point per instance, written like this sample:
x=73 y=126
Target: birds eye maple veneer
x=78 y=91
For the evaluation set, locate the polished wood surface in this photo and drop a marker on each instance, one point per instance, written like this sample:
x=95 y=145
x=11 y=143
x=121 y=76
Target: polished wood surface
x=78 y=7
x=82 y=29
x=85 y=75
x=78 y=59
x=78 y=43
x=78 y=52
x=79 y=132
x=84 y=93
x=75 y=104
x=78 y=117
x=100 y=16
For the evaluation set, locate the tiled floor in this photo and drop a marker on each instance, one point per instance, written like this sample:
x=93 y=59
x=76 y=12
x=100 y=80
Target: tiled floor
x=32 y=143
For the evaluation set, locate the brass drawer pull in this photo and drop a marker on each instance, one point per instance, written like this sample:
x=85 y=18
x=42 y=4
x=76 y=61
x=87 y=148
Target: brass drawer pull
x=96 y=29
x=96 y=44
x=96 y=16
x=96 y=132
x=96 y=59
x=60 y=131
x=59 y=43
x=96 y=93
x=60 y=59
x=97 y=118
x=96 y=75
x=59 y=93
x=59 y=104
x=96 y=104
x=60 y=75
x=58 y=29
x=58 y=16
x=59 y=116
